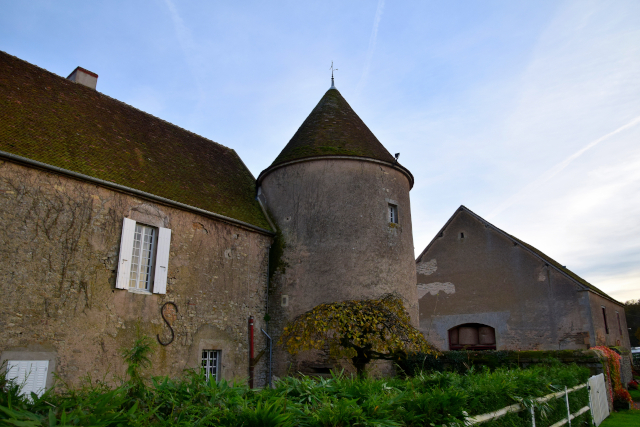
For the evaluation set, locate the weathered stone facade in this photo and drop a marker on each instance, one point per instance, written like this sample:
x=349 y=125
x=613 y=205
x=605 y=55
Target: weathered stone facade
x=473 y=273
x=59 y=245
x=334 y=219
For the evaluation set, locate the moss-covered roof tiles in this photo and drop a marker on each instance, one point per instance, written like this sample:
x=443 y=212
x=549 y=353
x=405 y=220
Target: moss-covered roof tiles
x=333 y=129
x=52 y=120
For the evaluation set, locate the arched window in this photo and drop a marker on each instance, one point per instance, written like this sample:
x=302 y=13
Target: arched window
x=472 y=336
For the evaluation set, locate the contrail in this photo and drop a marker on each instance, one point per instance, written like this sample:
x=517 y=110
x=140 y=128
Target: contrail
x=186 y=43
x=372 y=46
x=558 y=168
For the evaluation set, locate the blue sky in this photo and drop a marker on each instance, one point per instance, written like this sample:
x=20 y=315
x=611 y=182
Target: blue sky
x=528 y=113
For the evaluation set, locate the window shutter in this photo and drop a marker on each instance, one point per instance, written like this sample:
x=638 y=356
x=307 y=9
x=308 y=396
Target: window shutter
x=162 y=261
x=126 y=250
x=30 y=374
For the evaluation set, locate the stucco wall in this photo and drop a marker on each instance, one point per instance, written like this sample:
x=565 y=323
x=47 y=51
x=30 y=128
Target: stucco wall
x=485 y=278
x=333 y=215
x=59 y=245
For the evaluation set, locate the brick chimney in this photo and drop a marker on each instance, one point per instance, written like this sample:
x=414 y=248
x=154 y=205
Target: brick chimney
x=84 y=77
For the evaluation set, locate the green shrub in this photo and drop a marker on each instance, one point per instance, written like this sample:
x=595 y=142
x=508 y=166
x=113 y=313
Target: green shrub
x=428 y=398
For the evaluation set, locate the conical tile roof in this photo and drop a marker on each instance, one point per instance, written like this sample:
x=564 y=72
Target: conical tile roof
x=333 y=129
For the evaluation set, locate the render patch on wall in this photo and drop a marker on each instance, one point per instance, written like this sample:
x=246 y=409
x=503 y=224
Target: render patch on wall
x=435 y=287
x=427 y=268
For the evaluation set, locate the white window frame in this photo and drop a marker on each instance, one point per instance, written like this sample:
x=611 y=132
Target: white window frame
x=30 y=375
x=159 y=258
x=393 y=213
x=210 y=360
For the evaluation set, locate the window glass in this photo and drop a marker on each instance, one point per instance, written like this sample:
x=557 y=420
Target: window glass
x=210 y=363
x=393 y=214
x=144 y=241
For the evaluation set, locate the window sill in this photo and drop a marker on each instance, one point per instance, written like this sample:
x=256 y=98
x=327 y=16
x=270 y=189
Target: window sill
x=140 y=291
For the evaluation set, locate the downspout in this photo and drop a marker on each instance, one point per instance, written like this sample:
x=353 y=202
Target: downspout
x=267 y=317
x=251 y=367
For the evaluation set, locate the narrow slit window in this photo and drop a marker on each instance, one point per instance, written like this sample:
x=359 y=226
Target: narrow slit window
x=144 y=244
x=619 y=323
x=393 y=214
x=604 y=316
x=211 y=363
x=462 y=235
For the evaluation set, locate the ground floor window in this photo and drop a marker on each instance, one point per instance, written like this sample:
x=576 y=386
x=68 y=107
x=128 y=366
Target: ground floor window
x=31 y=375
x=472 y=336
x=211 y=363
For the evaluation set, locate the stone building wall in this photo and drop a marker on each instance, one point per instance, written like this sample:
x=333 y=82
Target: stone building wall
x=59 y=246
x=618 y=332
x=474 y=274
x=338 y=241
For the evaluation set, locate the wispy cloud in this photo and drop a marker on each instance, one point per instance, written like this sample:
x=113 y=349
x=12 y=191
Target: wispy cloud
x=372 y=46
x=187 y=44
x=548 y=175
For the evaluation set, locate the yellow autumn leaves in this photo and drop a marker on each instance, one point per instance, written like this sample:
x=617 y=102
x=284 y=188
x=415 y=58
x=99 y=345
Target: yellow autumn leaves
x=379 y=328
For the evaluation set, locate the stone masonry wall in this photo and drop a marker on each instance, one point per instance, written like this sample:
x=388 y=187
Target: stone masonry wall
x=338 y=242
x=59 y=245
x=473 y=274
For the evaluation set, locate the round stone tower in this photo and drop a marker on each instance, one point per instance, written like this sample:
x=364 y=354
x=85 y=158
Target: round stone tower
x=340 y=202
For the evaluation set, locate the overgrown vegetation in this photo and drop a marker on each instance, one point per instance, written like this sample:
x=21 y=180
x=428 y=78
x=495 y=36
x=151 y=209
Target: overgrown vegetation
x=424 y=400
x=462 y=360
x=360 y=330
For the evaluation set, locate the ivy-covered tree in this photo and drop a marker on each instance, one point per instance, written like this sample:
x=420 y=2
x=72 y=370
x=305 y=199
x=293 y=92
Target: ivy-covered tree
x=360 y=330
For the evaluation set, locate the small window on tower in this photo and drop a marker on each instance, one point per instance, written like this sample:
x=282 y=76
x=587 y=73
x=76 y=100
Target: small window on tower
x=393 y=214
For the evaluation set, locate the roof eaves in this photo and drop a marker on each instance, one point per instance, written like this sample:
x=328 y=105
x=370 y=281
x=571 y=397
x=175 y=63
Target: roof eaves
x=129 y=190
x=396 y=165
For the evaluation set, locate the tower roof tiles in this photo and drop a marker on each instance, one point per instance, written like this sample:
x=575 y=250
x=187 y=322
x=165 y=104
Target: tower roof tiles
x=333 y=129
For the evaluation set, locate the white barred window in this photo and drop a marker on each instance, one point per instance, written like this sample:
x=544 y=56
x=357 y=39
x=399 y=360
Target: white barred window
x=144 y=258
x=211 y=363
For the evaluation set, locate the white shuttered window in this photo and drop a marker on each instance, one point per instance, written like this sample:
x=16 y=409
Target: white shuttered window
x=31 y=375
x=144 y=257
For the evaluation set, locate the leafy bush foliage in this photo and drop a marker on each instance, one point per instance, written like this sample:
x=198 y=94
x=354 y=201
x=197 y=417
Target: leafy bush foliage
x=361 y=330
x=428 y=399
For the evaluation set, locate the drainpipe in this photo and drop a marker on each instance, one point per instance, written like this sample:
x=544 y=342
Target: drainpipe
x=268 y=285
x=267 y=311
x=251 y=367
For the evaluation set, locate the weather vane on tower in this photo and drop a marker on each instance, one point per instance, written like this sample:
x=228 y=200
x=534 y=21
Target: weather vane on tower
x=332 y=70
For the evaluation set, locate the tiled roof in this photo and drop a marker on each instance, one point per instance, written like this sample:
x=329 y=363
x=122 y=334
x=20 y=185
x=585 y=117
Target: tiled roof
x=559 y=267
x=47 y=118
x=333 y=129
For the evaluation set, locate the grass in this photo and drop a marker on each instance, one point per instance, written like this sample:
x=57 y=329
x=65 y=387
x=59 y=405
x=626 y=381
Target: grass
x=622 y=419
x=635 y=394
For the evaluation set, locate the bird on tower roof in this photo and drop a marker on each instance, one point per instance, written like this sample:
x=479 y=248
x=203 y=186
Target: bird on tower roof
x=333 y=129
